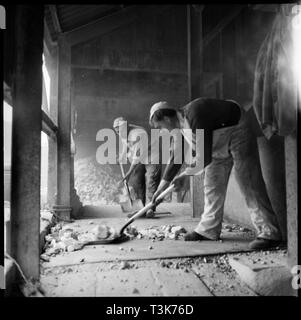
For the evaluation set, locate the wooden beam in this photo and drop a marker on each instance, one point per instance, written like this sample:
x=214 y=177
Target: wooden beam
x=48 y=125
x=113 y=22
x=55 y=18
x=26 y=139
x=52 y=143
x=100 y=68
x=195 y=73
x=64 y=125
x=291 y=162
x=222 y=24
x=195 y=49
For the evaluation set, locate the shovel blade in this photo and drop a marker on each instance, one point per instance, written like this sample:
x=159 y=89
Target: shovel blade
x=126 y=206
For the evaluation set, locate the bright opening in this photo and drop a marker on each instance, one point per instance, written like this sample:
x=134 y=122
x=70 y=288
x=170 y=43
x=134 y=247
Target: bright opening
x=47 y=81
x=7 y=134
x=297 y=44
x=44 y=170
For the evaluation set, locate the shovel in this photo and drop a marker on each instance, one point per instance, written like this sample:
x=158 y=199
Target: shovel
x=130 y=205
x=120 y=236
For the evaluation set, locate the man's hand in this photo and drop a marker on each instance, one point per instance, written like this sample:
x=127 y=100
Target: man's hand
x=162 y=186
x=179 y=182
x=121 y=182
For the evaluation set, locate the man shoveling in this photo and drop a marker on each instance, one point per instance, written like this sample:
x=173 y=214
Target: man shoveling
x=228 y=141
x=143 y=177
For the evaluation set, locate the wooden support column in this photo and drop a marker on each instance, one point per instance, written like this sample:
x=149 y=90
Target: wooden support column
x=52 y=140
x=291 y=164
x=76 y=204
x=63 y=201
x=195 y=72
x=26 y=138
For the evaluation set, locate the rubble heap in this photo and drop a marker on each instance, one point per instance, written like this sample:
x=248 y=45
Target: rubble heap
x=63 y=238
x=159 y=233
x=96 y=184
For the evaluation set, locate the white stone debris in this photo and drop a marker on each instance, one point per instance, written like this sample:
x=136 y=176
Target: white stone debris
x=234 y=228
x=101 y=231
x=125 y=265
x=63 y=238
x=159 y=233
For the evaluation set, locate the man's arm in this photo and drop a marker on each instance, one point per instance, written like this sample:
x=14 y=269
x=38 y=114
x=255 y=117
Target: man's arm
x=173 y=168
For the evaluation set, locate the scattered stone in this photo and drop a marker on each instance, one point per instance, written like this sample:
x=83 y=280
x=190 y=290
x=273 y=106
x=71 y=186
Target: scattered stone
x=162 y=264
x=82 y=260
x=171 y=236
x=125 y=265
x=177 y=230
x=136 y=291
x=70 y=248
x=91 y=222
x=131 y=249
x=101 y=231
x=44 y=257
x=121 y=248
x=150 y=248
x=131 y=230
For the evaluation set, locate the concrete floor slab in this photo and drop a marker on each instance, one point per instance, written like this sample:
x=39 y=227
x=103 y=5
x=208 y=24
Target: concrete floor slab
x=118 y=283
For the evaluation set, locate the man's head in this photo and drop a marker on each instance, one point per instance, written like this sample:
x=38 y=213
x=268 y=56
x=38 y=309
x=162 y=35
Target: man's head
x=118 y=122
x=163 y=116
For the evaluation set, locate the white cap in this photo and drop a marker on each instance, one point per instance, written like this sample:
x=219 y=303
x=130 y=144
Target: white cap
x=120 y=121
x=160 y=106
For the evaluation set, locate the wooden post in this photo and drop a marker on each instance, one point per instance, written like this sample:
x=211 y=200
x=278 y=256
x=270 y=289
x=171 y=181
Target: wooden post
x=52 y=141
x=26 y=138
x=76 y=204
x=291 y=163
x=63 y=201
x=195 y=72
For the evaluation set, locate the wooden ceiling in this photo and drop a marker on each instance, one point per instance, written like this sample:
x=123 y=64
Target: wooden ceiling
x=66 y=18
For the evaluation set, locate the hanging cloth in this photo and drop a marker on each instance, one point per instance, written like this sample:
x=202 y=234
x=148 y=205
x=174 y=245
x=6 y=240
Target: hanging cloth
x=275 y=86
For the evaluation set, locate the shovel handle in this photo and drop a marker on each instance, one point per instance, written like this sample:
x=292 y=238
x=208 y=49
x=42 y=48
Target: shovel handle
x=125 y=183
x=147 y=207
